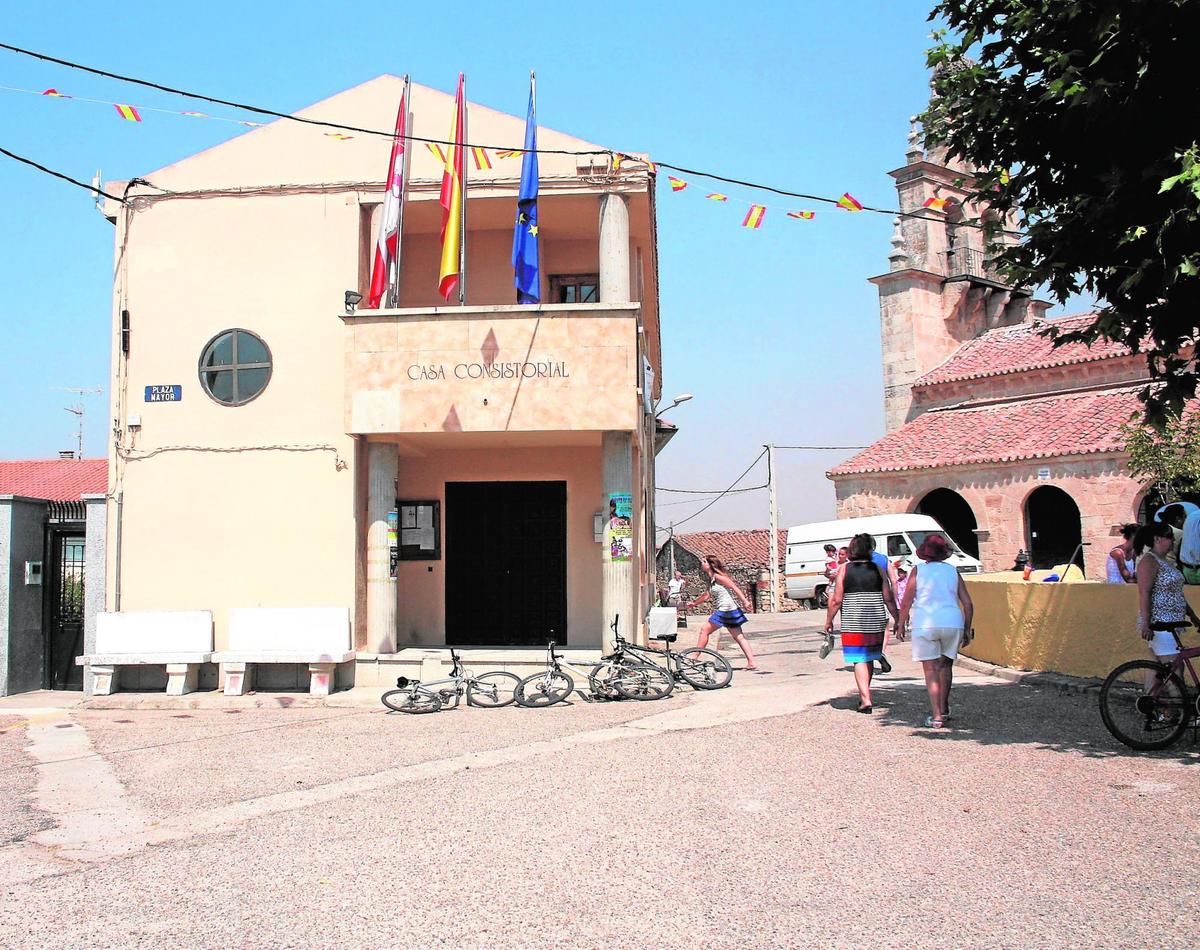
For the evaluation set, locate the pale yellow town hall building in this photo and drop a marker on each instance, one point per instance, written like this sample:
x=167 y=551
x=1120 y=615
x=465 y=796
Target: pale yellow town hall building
x=446 y=474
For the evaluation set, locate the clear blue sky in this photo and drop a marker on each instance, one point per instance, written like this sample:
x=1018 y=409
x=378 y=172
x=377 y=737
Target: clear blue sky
x=775 y=331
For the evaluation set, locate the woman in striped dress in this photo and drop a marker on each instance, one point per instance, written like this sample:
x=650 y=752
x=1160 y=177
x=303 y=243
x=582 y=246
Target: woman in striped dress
x=864 y=596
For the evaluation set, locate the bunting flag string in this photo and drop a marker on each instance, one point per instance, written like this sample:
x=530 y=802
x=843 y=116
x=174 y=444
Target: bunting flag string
x=482 y=157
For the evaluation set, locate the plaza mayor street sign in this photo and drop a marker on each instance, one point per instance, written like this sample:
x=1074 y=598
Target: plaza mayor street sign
x=170 y=393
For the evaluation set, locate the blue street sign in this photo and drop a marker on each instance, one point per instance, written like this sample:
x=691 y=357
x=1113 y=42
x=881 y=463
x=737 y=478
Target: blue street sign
x=164 y=393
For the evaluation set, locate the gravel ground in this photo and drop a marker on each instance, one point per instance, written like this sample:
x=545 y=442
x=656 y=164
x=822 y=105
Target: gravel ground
x=1024 y=826
x=18 y=817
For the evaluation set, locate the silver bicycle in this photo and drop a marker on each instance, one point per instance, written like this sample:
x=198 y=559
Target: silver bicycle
x=613 y=677
x=489 y=690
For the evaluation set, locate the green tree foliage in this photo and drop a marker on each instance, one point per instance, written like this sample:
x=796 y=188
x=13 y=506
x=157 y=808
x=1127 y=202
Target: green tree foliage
x=1094 y=108
x=1167 y=457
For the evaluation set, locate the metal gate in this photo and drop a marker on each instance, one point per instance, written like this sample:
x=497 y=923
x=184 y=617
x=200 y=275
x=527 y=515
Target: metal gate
x=65 y=593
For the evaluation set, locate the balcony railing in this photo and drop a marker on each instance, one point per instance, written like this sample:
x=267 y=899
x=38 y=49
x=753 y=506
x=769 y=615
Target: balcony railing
x=971 y=262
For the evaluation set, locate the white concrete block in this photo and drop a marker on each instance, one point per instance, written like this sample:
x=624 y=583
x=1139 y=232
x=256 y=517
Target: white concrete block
x=662 y=621
x=289 y=629
x=167 y=631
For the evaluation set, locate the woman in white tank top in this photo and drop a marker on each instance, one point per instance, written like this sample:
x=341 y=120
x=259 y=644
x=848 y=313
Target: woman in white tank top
x=940 y=610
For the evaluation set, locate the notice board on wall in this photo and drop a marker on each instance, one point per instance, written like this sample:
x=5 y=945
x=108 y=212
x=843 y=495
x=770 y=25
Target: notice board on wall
x=420 y=530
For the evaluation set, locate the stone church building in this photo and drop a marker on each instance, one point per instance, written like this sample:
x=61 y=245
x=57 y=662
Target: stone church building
x=1011 y=443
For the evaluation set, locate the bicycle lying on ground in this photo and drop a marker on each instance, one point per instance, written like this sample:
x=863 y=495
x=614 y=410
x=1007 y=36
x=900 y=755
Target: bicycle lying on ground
x=491 y=690
x=1148 y=704
x=699 y=668
x=614 y=677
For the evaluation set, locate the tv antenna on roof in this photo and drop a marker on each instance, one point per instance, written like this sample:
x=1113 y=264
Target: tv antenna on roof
x=77 y=410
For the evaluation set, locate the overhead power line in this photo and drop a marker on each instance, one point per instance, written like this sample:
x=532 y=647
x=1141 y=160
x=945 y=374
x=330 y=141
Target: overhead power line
x=711 y=491
x=823 y=448
x=390 y=134
x=724 y=493
x=67 y=178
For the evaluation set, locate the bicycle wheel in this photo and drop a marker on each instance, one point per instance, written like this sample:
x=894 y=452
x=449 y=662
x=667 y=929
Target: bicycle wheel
x=704 y=669
x=544 y=689
x=601 y=677
x=1135 y=717
x=409 y=700
x=493 y=690
x=644 y=681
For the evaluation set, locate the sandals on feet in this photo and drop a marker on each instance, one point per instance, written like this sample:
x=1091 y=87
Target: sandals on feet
x=866 y=709
x=931 y=723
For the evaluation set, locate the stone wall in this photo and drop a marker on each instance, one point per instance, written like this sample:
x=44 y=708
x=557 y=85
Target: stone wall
x=1100 y=485
x=695 y=583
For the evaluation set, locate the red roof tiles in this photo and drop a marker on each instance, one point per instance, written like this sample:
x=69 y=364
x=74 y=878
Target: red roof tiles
x=54 y=479
x=1015 y=349
x=735 y=548
x=1069 y=424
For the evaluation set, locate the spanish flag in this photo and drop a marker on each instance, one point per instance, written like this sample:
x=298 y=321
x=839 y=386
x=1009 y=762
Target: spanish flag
x=849 y=202
x=454 y=183
x=717 y=196
x=801 y=215
x=754 y=217
x=128 y=113
x=677 y=184
x=436 y=151
x=481 y=158
x=55 y=93
x=937 y=204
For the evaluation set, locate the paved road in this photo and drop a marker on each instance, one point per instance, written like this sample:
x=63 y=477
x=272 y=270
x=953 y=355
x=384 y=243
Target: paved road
x=769 y=814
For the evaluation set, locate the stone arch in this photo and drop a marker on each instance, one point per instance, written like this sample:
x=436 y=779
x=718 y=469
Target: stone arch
x=1150 y=500
x=1053 y=527
x=953 y=512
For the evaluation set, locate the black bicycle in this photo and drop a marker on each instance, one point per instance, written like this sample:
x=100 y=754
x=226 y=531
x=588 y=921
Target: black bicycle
x=699 y=668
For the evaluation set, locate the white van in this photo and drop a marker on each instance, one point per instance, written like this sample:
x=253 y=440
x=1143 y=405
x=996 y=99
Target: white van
x=896 y=536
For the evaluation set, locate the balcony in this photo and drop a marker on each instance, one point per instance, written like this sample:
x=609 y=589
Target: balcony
x=968 y=263
x=492 y=369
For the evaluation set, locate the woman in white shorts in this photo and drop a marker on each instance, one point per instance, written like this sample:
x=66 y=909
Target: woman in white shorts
x=940 y=608
x=1162 y=608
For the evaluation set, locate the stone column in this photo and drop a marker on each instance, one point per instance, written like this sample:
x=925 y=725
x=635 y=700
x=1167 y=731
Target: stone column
x=382 y=467
x=95 y=569
x=618 y=591
x=614 y=248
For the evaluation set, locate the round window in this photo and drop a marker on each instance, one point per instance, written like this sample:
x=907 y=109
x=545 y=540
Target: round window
x=235 y=367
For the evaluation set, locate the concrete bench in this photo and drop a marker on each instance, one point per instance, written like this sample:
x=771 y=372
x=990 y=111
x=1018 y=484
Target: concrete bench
x=316 y=636
x=180 y=640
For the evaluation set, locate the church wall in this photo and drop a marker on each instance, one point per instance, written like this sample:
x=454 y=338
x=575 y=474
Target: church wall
x=1106 y=495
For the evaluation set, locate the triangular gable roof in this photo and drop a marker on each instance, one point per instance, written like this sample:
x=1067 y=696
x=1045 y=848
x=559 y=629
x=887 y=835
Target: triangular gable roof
x=285 y=152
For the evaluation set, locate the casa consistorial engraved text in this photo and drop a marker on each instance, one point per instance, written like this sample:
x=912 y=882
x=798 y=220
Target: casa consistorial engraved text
x=539 y=369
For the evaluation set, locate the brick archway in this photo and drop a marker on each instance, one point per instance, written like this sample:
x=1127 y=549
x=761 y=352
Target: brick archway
x=1053 y=527
x=954 y=513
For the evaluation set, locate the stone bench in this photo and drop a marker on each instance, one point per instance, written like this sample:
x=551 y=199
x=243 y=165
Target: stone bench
x=316 y=636
x=180 y=640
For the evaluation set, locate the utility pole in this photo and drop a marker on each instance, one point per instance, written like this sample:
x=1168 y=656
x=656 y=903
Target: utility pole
x=773 y=541
x=77 y=411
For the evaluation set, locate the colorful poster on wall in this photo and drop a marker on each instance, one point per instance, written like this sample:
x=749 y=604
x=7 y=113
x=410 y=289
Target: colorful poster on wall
x=620 y=527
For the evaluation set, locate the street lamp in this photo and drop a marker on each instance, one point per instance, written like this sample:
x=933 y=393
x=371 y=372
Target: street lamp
x=682 y=397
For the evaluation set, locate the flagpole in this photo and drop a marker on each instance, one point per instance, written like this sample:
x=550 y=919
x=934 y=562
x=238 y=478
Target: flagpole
x=462 y=239
x=537 y=238
x=393 y=297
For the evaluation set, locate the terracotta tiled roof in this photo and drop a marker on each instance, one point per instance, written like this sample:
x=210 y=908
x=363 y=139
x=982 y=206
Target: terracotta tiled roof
x=54 y=479
x=735 y=548
x=1069 y=424
x=1014 y=349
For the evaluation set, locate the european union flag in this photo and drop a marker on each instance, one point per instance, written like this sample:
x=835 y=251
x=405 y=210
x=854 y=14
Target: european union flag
x=525 y=232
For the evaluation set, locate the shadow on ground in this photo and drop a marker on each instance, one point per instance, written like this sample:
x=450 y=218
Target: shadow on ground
x=1010 y=714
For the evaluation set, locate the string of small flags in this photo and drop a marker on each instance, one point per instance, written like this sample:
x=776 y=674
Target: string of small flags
x=133 y=113
x=756 y=214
